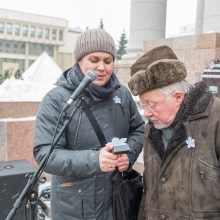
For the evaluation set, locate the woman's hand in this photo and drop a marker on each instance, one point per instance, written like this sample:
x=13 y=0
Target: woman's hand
x=107 y=160
x=122 y=162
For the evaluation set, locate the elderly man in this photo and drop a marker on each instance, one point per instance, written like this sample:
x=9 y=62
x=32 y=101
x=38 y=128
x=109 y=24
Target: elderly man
x=182 y=140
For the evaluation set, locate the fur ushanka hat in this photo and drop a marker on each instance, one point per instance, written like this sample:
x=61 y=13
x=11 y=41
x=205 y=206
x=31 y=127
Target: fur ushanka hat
x=155 y=69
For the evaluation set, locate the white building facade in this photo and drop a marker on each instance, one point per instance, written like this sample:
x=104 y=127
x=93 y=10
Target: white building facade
x=24 y=37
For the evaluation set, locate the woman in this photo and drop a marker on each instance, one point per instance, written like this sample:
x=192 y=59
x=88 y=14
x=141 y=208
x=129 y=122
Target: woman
x=81 y=169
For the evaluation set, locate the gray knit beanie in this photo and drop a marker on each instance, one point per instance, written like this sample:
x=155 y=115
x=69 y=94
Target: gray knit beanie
x=94 y=40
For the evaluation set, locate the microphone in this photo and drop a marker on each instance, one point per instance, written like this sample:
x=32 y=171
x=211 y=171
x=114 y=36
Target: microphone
x=89 y=77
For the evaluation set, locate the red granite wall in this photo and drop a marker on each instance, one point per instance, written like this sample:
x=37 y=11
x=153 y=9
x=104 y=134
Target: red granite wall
x=16 y=140
x=20 y=140
x=18 y=109
x=196 y=51
x=17 y=130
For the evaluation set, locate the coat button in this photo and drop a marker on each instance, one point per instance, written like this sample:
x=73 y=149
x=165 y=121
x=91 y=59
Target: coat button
x=163 y=217
x=163 y=179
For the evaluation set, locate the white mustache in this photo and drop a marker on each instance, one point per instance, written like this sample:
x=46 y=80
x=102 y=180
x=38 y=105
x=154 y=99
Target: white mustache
x=152 y=119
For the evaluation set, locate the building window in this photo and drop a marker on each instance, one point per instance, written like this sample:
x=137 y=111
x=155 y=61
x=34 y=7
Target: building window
x=37 y=49
x=1 y=46
x=54 y=34
x=24 y=30
x=40 y=32
x=17 y=47
x=17 y=29
x=47 y=33
x=1 y=27
x=7 y=47
x=9 y=28
x=60 y=35
x=30 y=62
x=49 y=49
x=32 y=31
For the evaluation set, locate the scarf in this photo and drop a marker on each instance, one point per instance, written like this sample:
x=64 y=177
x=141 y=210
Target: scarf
x=98 y=91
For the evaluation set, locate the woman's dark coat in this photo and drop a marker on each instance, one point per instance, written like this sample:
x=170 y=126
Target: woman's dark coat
x=80 y=190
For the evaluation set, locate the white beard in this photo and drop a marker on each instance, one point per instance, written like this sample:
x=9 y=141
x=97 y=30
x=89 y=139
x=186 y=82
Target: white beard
x=161 y=126
x=158 y=126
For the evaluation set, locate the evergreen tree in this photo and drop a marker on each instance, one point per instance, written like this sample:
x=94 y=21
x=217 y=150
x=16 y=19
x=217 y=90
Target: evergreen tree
x=101 y=25
x=122 y=46
x=7 y=74
x=17 y=74
x=4 y=76
x=216 y=61
x=1 y=79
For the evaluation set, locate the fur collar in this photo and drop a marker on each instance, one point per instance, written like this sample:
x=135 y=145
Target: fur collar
x=195 y=102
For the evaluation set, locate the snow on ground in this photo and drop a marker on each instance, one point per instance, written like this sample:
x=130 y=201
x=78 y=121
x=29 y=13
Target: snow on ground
x=17 y=119
x=20 y=90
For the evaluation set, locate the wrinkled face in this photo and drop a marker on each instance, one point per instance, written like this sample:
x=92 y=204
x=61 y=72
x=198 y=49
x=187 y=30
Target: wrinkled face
x=159 y=108
x=101 y=62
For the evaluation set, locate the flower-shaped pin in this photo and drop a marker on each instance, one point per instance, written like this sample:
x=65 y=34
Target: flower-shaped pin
x=190 y=142
x=117 y=100
x=117 y=141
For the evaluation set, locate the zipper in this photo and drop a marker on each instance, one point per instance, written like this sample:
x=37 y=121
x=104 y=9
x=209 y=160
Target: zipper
x=78 y=124
x=124 y=111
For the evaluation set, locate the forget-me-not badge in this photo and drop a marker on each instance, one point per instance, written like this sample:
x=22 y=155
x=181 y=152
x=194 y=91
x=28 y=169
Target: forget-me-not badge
x=190 y=142
x=117 y=141
x=117 y=100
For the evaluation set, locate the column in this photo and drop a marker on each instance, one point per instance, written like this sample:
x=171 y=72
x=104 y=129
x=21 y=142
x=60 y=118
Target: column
x=147 y=22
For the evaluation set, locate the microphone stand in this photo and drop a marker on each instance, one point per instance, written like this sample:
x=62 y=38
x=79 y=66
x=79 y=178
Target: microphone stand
x=33 y=179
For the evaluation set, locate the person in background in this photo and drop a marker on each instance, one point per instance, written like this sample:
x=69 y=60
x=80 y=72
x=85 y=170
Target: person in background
x=181 y=141
x=81 y=169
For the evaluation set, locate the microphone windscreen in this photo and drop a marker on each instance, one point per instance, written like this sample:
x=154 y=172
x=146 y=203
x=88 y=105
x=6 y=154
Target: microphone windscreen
x=91 y=75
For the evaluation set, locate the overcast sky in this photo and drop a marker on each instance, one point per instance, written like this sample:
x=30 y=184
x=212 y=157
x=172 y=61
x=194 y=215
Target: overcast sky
x=115 y=13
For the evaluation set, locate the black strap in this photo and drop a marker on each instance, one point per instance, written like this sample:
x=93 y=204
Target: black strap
x=94 y=123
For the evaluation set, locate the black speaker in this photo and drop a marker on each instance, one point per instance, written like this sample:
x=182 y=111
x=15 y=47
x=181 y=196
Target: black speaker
x=14 y=176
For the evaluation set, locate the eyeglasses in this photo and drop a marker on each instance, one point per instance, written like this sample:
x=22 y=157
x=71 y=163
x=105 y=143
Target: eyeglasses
x=151 y=107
